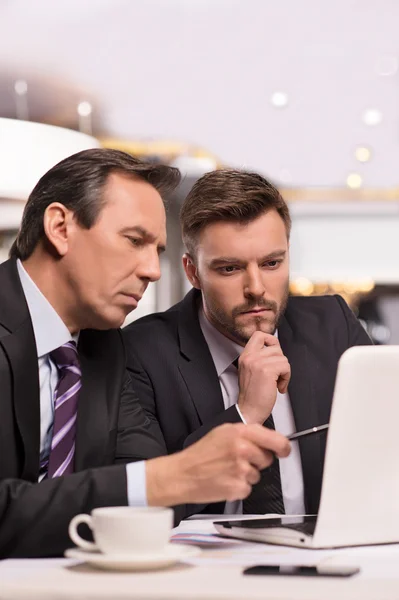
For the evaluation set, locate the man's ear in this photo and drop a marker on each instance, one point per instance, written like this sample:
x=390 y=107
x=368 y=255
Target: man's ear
x=191 y=271
x=56 y=221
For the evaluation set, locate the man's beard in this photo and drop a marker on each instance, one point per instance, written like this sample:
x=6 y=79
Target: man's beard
x=227 y=323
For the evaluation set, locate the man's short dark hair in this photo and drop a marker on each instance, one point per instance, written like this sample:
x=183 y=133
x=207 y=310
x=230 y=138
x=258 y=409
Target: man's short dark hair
x=228 y=195
x=77 y=182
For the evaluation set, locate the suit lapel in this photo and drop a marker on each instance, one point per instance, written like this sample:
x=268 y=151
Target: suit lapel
x=20 y=347
x=92 y=419
x=305 y=410
x=21 y=350
x=196 y=364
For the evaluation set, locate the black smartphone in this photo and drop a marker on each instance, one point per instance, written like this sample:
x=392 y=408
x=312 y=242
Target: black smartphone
x=318 y=571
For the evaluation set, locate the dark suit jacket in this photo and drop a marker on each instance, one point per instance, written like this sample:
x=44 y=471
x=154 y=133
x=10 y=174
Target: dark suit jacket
x=111 y=429
x=176 y=380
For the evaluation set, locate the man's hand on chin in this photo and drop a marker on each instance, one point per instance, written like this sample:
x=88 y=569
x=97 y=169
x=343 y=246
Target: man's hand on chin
x=262 y=370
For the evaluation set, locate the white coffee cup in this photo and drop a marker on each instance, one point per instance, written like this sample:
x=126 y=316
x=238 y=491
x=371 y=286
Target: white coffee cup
x=125 y=530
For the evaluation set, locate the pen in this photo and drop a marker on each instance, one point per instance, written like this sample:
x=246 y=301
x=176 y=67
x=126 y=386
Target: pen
x=306 y=432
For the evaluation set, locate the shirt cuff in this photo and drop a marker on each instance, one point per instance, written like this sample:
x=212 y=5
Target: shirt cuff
x=240 y=415
x=136 y=484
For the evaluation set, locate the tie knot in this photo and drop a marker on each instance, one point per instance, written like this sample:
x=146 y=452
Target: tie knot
x=65 y=356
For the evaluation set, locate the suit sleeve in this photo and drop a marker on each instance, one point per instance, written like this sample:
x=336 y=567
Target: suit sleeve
x=149 y=443
x=145 y=392
x=357 y=335
x=139 y=436
x=34 y=517
x=230 y=415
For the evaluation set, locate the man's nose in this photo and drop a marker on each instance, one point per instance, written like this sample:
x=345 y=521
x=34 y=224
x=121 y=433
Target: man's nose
x=150 y=268
x=254 y=283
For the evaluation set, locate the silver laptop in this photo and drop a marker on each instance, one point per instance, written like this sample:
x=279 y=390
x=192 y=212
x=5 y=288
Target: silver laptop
x=360 y=492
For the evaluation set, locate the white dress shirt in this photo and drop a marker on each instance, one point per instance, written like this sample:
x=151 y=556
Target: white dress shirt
x=224 y=351
x=50 y=333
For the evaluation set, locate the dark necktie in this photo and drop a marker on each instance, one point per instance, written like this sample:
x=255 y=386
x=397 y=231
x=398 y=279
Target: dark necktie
x=62 y=453
x=266 y=496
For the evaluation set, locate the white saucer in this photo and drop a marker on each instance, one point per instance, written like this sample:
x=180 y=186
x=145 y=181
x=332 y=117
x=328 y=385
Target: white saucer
x=135 y=562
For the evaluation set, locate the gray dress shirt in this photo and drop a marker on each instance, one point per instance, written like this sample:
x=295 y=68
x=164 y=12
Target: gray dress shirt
x=224 y=351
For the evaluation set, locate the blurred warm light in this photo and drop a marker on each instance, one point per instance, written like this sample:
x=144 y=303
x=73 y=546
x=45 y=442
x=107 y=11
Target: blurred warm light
x=21 y=100
x=348 y=289
x=167 y=151
x=21 y=87
x=351 y=287
x=354 y=181
x=387 y=65
x=84 y=109
x=337 y=287
x=193 y=165
x=279 y=99
x=363 y=154
x=302 y=286
x=354 y=286
x=321 y=288
x=372 y=116
x=365 y=286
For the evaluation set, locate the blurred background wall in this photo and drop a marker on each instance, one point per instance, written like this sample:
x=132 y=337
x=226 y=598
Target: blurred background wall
x=307 y=93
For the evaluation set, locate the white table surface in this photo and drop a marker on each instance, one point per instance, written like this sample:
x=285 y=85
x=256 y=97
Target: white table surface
x=215 y=574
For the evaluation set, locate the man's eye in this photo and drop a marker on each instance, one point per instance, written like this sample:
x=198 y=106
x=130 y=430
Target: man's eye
x=228 y=269
x=273 y=264
x=134 y=241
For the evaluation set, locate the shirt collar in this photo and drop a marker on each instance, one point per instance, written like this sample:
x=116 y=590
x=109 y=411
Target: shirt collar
x=49 y=329
x=223 y=350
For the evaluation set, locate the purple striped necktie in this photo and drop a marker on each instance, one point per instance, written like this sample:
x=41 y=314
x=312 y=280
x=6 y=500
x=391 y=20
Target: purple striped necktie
x=62 y=453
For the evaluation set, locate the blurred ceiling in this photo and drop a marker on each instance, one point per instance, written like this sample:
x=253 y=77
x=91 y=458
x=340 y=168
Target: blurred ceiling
x=204 y=71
